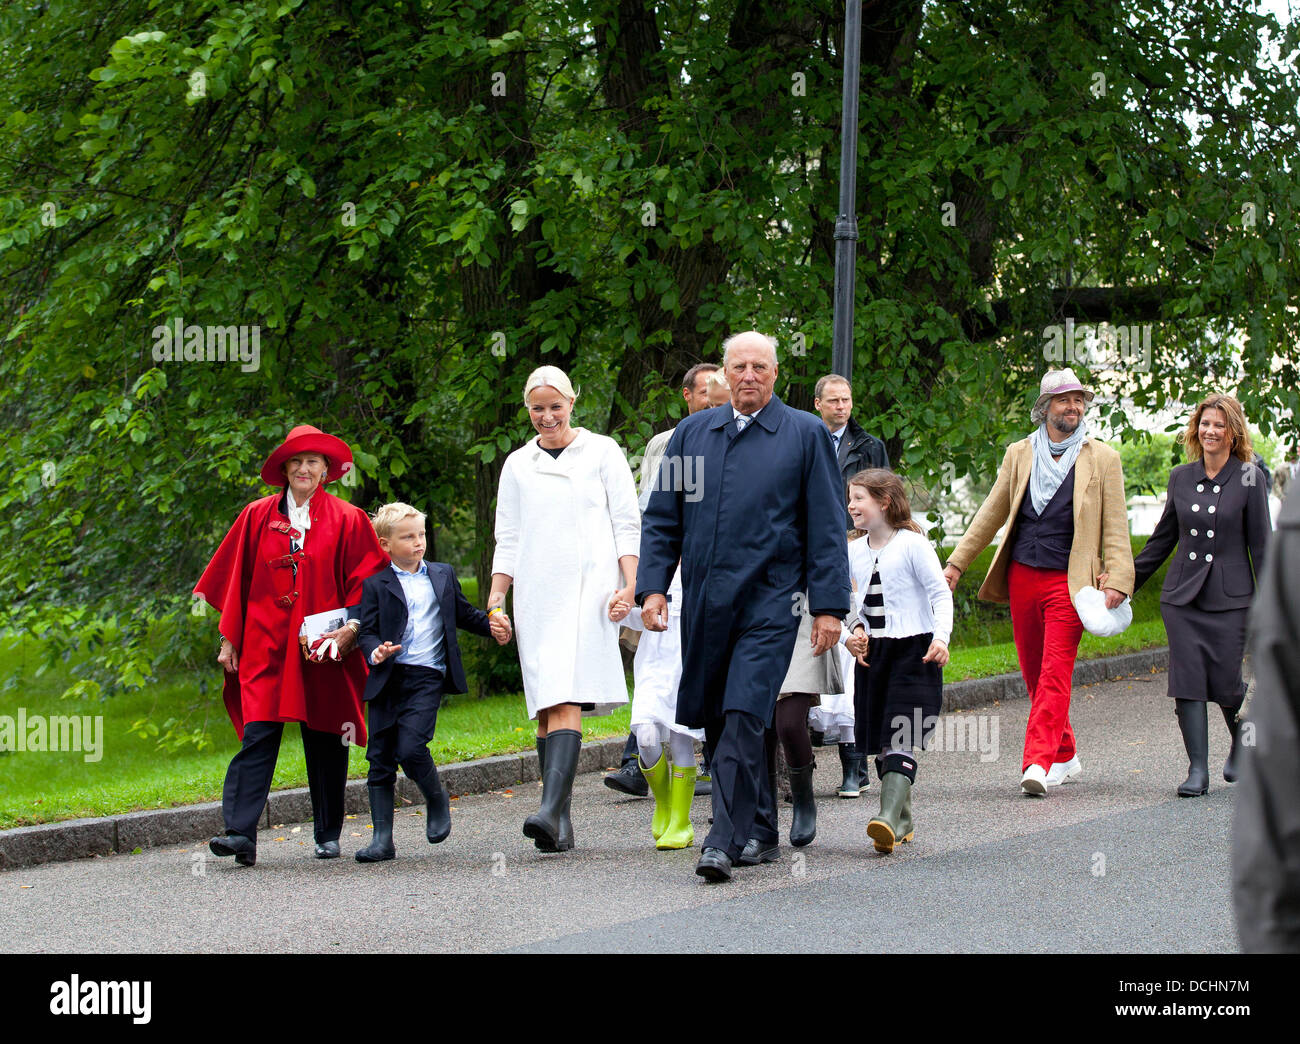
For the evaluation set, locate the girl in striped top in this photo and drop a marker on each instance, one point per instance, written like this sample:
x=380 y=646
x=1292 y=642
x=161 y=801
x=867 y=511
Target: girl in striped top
x=899 y=637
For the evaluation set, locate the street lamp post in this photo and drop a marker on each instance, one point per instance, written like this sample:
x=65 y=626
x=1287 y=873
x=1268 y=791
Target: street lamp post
x=846 y=225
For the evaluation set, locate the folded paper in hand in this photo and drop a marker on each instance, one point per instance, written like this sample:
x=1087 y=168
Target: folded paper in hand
x=318 y=625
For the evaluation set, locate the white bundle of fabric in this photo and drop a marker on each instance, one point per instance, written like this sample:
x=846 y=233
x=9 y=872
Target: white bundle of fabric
x=1097 y=620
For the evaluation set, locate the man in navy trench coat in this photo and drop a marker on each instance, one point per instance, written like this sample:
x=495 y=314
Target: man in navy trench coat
x=761 y=525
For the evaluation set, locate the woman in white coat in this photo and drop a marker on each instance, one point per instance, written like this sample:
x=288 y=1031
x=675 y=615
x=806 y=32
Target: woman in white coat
x=567 y=532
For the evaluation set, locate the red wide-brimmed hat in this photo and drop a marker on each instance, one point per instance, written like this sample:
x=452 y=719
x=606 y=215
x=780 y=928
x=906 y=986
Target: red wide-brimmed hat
x=307 y=439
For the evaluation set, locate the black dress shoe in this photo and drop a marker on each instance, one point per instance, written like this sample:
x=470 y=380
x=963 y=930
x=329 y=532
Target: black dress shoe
x=327 y=849
x=714 y=866
x=756 y=852
x=244 y=849
x=628 y=780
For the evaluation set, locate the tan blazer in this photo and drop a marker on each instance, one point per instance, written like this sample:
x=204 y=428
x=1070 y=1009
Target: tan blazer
x=1101 y=538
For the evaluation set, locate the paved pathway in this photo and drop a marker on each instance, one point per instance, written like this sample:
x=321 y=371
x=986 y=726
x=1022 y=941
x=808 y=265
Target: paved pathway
x=1112 y=863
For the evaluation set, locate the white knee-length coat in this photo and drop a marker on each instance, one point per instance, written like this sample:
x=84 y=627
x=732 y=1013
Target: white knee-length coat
x=562 y=524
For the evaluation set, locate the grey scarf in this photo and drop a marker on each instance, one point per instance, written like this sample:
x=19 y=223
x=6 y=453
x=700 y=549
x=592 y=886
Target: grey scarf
x=1049 y=471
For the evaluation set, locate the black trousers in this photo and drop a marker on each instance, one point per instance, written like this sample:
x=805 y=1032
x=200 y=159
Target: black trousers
x=743 y=804
x=402 y=720
x=248 y=779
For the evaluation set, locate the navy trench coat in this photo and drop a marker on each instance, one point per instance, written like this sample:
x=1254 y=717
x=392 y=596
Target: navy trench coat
x=757 y=519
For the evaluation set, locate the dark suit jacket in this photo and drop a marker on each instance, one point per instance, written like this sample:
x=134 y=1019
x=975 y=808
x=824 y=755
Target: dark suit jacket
x=858 y=451
x=383 y=619
x=1221 y=527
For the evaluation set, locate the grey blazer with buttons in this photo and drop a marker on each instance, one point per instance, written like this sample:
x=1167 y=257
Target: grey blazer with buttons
x=1221 y=527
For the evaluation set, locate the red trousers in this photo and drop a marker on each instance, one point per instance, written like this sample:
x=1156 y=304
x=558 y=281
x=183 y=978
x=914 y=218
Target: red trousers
x=1047 y=631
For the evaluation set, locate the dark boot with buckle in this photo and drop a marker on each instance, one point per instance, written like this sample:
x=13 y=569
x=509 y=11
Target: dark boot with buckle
x=854 y=767
x=244 y=849
x=1234 y=727
x=804 y=827
x=756 y=852
x=1192 y=721
x=547 y=826
x=627 y=778
x=437 y=824
x=381 y=815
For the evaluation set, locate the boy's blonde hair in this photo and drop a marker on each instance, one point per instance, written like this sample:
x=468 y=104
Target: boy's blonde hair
x=387 y=517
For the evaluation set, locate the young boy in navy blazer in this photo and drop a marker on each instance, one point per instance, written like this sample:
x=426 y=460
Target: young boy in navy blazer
x=409 y=616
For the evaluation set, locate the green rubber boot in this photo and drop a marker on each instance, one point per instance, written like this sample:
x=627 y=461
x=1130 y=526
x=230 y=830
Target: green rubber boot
x=894 y=823
x=657 y=778
x=681 y=789
x=905 y=828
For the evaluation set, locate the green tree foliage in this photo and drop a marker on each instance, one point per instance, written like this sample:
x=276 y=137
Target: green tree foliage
x=416 y=202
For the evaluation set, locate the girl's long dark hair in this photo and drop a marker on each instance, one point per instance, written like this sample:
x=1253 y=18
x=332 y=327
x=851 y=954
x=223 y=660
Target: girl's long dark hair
x=887 y=488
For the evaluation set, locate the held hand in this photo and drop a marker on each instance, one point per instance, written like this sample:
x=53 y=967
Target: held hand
x=383 y=652
x=344 y=640
x=825 y=633
x=1114 y=599
x=499 y=625
x=937 y=653
x=1101 y=580
x=228 y=658
x=654 y=613
x=857 y=645
x=951 y=574
x=620 y=604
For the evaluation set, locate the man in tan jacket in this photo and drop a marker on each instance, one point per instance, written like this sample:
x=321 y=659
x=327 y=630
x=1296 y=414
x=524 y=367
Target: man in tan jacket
x=1061 y=496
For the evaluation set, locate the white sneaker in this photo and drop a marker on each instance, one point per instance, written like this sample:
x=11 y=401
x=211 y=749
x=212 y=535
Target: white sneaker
x=1063 y=771
x=1034 y=781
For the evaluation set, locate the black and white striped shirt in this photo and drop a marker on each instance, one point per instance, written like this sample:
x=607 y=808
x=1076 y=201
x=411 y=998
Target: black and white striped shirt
x=872 y=613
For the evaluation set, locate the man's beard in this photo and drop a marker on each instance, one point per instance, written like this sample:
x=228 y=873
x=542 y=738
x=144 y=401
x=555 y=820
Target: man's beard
x=1066 y=425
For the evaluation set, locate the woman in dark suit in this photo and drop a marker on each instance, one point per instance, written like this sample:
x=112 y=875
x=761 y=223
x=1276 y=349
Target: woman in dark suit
x=1217 y=515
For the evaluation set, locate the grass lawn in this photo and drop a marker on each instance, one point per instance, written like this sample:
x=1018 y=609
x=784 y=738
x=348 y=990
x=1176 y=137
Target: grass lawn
x=134 y=774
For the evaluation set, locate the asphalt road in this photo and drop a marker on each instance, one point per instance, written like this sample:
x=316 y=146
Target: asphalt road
x=1112 y=863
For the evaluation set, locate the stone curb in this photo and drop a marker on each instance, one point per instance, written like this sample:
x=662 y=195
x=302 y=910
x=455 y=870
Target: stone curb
x=980 y=692
x=82 y=838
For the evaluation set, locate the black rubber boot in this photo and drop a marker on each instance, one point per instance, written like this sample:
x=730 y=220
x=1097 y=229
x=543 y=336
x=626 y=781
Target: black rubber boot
x=381 y=815
x=1193 y=724
x=804 y=827
x=545 y=827
x=565 y=841
x=1234 y=727
x=437 y=823
x=854 y=767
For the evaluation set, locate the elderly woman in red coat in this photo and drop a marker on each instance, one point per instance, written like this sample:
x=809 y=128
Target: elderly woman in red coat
x=288 y=556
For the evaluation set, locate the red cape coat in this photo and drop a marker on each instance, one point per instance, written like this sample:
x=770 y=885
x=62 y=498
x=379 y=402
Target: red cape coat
x=274 y=682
